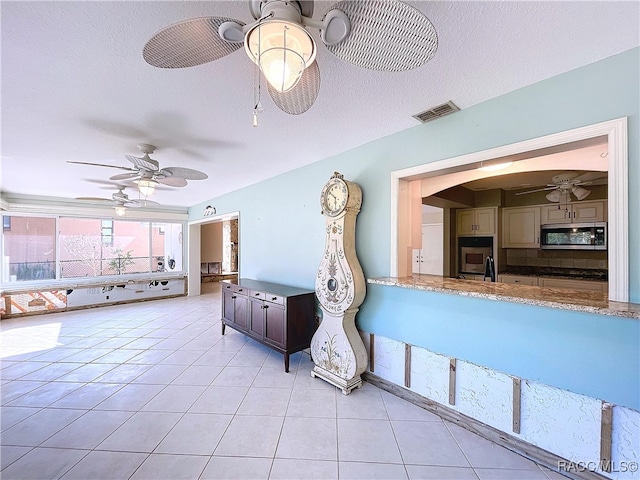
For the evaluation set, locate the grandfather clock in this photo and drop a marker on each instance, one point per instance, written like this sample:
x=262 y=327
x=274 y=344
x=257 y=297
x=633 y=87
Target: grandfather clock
x=336 y=348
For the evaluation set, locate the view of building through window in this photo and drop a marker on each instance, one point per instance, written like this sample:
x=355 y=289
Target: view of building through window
x=29 y=248
x=87 y=247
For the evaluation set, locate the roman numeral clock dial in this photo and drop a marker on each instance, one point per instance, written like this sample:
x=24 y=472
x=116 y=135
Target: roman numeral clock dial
x=336 y=348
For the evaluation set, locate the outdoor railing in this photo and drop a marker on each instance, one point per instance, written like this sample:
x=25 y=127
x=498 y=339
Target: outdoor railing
x=27 y=271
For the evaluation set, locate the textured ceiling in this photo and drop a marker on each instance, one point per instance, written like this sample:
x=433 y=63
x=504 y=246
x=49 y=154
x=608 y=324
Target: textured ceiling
x=75 y=87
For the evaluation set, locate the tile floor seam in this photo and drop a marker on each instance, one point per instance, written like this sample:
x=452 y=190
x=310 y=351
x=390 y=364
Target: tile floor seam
x=446 y=424
x=18 y=458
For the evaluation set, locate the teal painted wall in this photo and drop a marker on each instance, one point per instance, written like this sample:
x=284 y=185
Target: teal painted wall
x=282 y=235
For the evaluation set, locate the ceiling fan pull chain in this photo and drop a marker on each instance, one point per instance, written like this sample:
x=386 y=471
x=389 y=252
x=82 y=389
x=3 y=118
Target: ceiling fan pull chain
x=256 y=79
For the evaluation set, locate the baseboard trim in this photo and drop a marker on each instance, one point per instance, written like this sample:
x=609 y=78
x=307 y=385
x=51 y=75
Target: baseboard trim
x=528 y=450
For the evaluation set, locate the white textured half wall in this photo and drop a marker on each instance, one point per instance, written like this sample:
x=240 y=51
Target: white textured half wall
x=565 y=424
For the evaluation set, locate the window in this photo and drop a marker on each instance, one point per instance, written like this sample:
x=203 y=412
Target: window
x=93 y=248
x=82 y=248
x=166 y=247
x=28 y=248
x=107 y=232
x=87 y=247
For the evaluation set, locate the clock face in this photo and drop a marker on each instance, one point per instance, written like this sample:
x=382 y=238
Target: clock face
x=334 y=197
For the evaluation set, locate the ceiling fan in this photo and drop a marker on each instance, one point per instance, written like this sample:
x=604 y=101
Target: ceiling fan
x=567 y=183
x=121 y=201
x=146 y=172
x=385 y=35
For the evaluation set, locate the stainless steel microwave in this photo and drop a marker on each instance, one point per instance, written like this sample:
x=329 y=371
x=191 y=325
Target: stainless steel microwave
x=574 y=236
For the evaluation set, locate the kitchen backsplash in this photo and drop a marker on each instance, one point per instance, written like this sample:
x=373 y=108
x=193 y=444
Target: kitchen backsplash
x=570 y=259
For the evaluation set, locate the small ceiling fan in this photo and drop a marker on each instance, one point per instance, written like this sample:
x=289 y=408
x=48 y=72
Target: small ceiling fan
x=146 y=172
x=385 y=35
x=121 y=201
x=567 y=183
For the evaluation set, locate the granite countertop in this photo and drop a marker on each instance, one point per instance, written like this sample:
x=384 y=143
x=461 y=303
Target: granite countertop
x=580 y=301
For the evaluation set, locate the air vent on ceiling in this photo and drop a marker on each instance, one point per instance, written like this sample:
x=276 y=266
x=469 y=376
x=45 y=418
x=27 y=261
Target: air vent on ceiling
x=436 y=112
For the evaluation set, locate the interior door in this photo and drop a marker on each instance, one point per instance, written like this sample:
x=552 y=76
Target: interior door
x=431 y=255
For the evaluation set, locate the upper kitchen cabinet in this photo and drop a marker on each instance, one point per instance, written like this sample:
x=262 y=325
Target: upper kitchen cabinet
x=573 y=212
x=521 y=227
x=476 y=221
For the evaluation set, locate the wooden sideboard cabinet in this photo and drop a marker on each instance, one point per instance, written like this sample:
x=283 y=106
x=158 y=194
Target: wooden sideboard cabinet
x=278 y=316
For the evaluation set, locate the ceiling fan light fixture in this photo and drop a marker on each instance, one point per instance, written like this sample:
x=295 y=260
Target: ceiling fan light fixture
x=580 y=193
x=146 y=186
x=120 y=210
x=282 y=49
x=554 y=196
x=558 y=196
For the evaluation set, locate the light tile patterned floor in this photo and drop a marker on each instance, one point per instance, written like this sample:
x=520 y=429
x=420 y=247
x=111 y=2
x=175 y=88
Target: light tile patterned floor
x=153 y=391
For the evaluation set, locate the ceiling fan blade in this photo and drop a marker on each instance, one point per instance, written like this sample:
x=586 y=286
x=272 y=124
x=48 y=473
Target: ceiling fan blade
x=125 y=176
x=187 y=173
x=597 y=181
x=94 y=199
x=100 y=165
x=172 y=181
x=301 y=97
x=140 y=203
x=189 y=43
x=590 y=177
x=142 y=162
x=386 y=35
x=538 y=190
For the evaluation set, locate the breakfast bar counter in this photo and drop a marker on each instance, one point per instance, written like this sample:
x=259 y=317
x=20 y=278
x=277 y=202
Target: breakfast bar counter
x=580 y=301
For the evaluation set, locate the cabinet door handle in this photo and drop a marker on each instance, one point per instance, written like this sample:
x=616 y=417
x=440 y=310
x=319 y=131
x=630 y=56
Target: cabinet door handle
x=265 y=306
x=239 y=289
x=274 y=298
x=233 y=296
x=257 y=294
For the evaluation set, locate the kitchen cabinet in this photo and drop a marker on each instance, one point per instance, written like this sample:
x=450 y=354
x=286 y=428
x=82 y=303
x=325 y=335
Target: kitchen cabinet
x=278 y=316
x=518 y=279
x=573 y=212
x=476 y=221
x=573 y=284
x=521 y=227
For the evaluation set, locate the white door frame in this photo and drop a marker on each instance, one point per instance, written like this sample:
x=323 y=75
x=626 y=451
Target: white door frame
x=193 y=272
